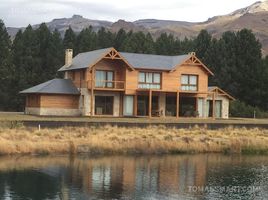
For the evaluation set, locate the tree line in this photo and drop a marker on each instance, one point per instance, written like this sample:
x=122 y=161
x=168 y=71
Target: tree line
x=35 y=55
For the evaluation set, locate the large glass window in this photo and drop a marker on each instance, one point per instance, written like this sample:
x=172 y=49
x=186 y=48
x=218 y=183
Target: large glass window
x=149 y=80
x=104 y=105
x=104 y=79
x=189 y=82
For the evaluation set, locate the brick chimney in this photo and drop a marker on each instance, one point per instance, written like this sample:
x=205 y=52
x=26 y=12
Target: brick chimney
x=68 y=57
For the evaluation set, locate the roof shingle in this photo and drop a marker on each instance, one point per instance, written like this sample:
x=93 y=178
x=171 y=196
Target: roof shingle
x=138 y=61
x=54 y=86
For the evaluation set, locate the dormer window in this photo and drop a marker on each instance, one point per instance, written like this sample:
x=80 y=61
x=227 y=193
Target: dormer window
x=189 y=82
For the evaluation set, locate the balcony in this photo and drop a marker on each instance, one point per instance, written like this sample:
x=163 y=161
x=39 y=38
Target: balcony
x=146 y=86
x=107 y=85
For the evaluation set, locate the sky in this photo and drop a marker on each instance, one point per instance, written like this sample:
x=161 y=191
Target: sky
x=19 y=13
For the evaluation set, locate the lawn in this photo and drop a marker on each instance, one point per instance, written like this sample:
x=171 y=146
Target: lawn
x=12 y=116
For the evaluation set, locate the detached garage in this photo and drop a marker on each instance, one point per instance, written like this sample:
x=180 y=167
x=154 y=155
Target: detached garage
x=57 y=97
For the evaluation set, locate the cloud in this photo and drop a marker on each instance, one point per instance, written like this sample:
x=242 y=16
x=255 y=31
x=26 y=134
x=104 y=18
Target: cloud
x=23 y=12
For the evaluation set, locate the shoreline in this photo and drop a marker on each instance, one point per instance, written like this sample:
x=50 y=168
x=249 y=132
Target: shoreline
x=113 y=140
x=13 y=120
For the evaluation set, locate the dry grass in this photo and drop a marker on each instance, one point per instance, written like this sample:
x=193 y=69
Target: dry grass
x=115 y=140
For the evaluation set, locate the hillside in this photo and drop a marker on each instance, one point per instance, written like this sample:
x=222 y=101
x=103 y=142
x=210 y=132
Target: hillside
x=254 y=17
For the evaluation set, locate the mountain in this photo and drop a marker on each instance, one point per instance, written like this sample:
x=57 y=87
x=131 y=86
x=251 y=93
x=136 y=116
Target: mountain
x=254 y=17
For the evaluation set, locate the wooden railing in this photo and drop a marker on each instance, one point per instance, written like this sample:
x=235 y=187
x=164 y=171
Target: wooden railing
x=149 y=86
x=107 y=84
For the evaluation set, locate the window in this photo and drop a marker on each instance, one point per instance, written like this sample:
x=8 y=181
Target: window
x=104 y=105
x=149 y=80
x=104 y=79
x=189 y=82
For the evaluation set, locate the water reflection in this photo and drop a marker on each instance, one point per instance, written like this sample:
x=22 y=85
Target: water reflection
x=122 y=177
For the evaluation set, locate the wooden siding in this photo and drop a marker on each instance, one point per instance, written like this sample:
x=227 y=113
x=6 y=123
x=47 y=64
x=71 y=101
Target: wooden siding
x=77 y=77
x=59 y=101
x=170 y=80
x=33 y=100
x=132 y=81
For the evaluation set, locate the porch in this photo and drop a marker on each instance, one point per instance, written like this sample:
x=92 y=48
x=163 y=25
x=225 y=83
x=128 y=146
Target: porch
x=154 y=103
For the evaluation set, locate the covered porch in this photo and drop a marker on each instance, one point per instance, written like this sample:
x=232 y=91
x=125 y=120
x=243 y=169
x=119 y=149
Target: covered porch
x=155 y=103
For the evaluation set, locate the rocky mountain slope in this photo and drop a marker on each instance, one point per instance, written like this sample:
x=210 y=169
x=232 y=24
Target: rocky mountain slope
x=254 y=17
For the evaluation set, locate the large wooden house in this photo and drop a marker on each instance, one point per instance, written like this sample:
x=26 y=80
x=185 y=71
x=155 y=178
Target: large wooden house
x=106 y=82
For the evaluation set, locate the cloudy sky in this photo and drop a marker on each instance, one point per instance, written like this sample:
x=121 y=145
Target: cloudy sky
x=23 y=12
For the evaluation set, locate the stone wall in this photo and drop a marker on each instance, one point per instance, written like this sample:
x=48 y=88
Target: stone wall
x=52 y=111
x=85 y=109
x=225 y=105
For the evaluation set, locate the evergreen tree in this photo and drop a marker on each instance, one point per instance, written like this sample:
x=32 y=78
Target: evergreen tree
x=249 y=68
x=104 y=38
x=202 y=45
x=56 y=53
x=164 y=45
x=69 y=40
x=86 y=40
x=119 y=39
x=6 y=68
x=186 y=45
x=138 y=43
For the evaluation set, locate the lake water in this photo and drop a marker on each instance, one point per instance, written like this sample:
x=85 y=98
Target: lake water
x=211 y=176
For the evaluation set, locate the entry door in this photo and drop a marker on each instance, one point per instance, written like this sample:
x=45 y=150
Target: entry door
x=218 y=105
x=128 y=105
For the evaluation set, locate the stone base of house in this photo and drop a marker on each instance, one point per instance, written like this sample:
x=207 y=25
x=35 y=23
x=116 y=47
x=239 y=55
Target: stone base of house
x=52 y=111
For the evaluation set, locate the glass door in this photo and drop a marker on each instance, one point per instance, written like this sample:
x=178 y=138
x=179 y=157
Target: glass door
x=128 y=105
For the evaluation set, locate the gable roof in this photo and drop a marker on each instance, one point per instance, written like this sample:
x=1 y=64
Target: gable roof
x=150 y=61
x=134 y=60
x=83 y=60
x=213 y=88
x=54 y=86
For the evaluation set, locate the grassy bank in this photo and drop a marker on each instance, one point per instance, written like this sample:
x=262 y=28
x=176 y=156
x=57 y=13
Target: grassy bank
x=19 y=117
x=117 y=140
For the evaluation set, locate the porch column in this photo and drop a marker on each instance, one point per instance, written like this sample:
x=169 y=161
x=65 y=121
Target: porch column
x=136 y=105
x=92 y=93
x=150 y=103
x=178 y=104
x=213 y=105
x=121 y=104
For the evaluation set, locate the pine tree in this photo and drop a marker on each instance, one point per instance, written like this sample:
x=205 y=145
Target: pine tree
x=119 y=39
x=249 y=68
x=69 y=41
x=86 y=40
x=164 y=44
x=104 y=38
x=202 y=45
x=6 y=68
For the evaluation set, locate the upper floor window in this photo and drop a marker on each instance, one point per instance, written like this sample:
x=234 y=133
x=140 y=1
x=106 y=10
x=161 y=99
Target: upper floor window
x=189 y=82
x=104 y=79
x=149 y=80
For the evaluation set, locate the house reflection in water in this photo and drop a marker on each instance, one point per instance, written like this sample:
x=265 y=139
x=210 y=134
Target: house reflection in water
x=117 y=177
x=121 y=177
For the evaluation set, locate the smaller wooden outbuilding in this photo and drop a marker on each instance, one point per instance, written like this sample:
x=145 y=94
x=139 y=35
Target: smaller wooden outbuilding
x=55 y=97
